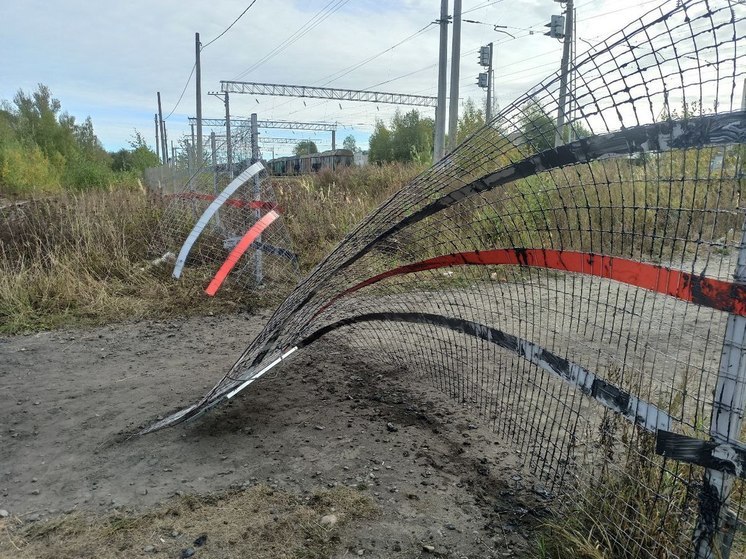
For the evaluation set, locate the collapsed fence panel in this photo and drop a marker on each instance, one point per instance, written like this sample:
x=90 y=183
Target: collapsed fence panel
x=587 y=299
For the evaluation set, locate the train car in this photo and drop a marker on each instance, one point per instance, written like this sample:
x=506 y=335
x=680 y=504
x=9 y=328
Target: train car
x=303 y=164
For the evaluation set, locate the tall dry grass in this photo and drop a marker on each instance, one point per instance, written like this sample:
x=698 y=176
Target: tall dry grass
x=320 y=209
x=82 y=258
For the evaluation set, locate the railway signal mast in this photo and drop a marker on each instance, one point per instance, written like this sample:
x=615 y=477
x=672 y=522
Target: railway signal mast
x=484 y=79
x=561 y=27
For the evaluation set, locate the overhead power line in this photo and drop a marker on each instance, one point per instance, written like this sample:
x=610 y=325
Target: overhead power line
x=182 y=91
x=330 y=8
x=362 y=63
x=229 y=27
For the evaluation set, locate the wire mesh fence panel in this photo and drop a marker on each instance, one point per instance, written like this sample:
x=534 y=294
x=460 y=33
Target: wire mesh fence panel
x=579 y=287
x=226 y=228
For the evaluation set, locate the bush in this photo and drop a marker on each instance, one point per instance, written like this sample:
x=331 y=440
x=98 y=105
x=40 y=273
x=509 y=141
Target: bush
x=25 y=170
x=82 y=174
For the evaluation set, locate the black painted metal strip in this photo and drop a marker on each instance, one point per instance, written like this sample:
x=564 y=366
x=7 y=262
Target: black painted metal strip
x=612 y=397
x=724 y=457
x=708 y=130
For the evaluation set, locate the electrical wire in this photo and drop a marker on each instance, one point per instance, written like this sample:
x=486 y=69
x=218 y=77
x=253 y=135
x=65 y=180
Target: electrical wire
x=330 y=8
x=481 y=6
x=194 y=67
x=354 y=67
x=229 y=27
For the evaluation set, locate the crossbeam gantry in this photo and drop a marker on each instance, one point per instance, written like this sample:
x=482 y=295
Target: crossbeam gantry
x=278 y=124
x=254 y=88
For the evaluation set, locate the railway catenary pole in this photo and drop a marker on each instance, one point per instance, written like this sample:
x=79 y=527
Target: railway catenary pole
x=198 y=80
x=334 y=145
x=565 y=70
x=228 y=145
x=440 y=111
x=157 y=138
x=164 y=145
x=455 y=69
x=258 y=271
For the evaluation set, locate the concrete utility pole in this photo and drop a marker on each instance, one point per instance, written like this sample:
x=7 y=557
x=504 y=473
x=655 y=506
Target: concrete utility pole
x=157 y=138
x=228 y=141
x=164 y=145
x=198 y=79
x=565 y=70
x=440 y=110
x=455 y=68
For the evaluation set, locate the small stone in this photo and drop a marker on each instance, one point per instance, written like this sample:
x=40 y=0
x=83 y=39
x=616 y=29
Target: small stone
x=428 y=548
x=35 y=492
x=188 y=552
x=397 y=546
x=33 y=517
x=328 y=520
x=391 y=427
x=175 y=533
x=149 y=548
x=450 y=527
x=360 y=551
x=200 y=541
x=4 y=513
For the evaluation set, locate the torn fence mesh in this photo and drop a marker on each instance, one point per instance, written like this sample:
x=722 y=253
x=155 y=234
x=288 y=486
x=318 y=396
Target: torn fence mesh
x=576 y=296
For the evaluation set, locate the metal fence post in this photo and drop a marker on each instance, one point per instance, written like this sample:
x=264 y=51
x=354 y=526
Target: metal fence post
x=716 y=524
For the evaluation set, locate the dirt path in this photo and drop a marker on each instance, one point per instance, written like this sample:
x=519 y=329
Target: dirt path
x=324 y=419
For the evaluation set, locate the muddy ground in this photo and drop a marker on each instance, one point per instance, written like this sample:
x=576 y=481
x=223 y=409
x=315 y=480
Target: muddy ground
x=324 y=419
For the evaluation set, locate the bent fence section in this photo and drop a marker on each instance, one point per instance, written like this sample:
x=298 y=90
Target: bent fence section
x=586 y=298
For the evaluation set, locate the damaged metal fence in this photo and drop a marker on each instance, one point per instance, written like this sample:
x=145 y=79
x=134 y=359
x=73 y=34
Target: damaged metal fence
x=589 y=300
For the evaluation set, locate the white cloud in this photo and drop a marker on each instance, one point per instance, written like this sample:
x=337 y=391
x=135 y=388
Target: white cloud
x=108 y=59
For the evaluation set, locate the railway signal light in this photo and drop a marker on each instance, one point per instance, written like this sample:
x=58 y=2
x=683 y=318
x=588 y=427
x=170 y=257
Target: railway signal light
x=484 y=56
x=482 y=79
x=556 y=27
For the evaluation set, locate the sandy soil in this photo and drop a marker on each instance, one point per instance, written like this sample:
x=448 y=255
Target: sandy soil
x=71 y=398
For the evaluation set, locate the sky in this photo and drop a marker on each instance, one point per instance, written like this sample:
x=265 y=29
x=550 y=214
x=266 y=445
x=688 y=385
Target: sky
x=108 y=59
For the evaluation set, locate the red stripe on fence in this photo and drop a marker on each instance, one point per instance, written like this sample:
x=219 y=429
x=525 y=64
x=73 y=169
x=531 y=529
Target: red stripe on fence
x=251 y=204
x=709 y=292
x=238 y=251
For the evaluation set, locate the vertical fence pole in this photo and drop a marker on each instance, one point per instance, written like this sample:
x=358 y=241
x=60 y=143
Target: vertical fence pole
x=716 y=524
x=258 y=271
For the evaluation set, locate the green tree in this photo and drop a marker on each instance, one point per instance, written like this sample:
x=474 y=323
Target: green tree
x=472 y=119
x=538 y=128
x=410 y=138
x=350 y=143
x=38 y=121
x=138 y=158
x=305 y=147
x=379 y=144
